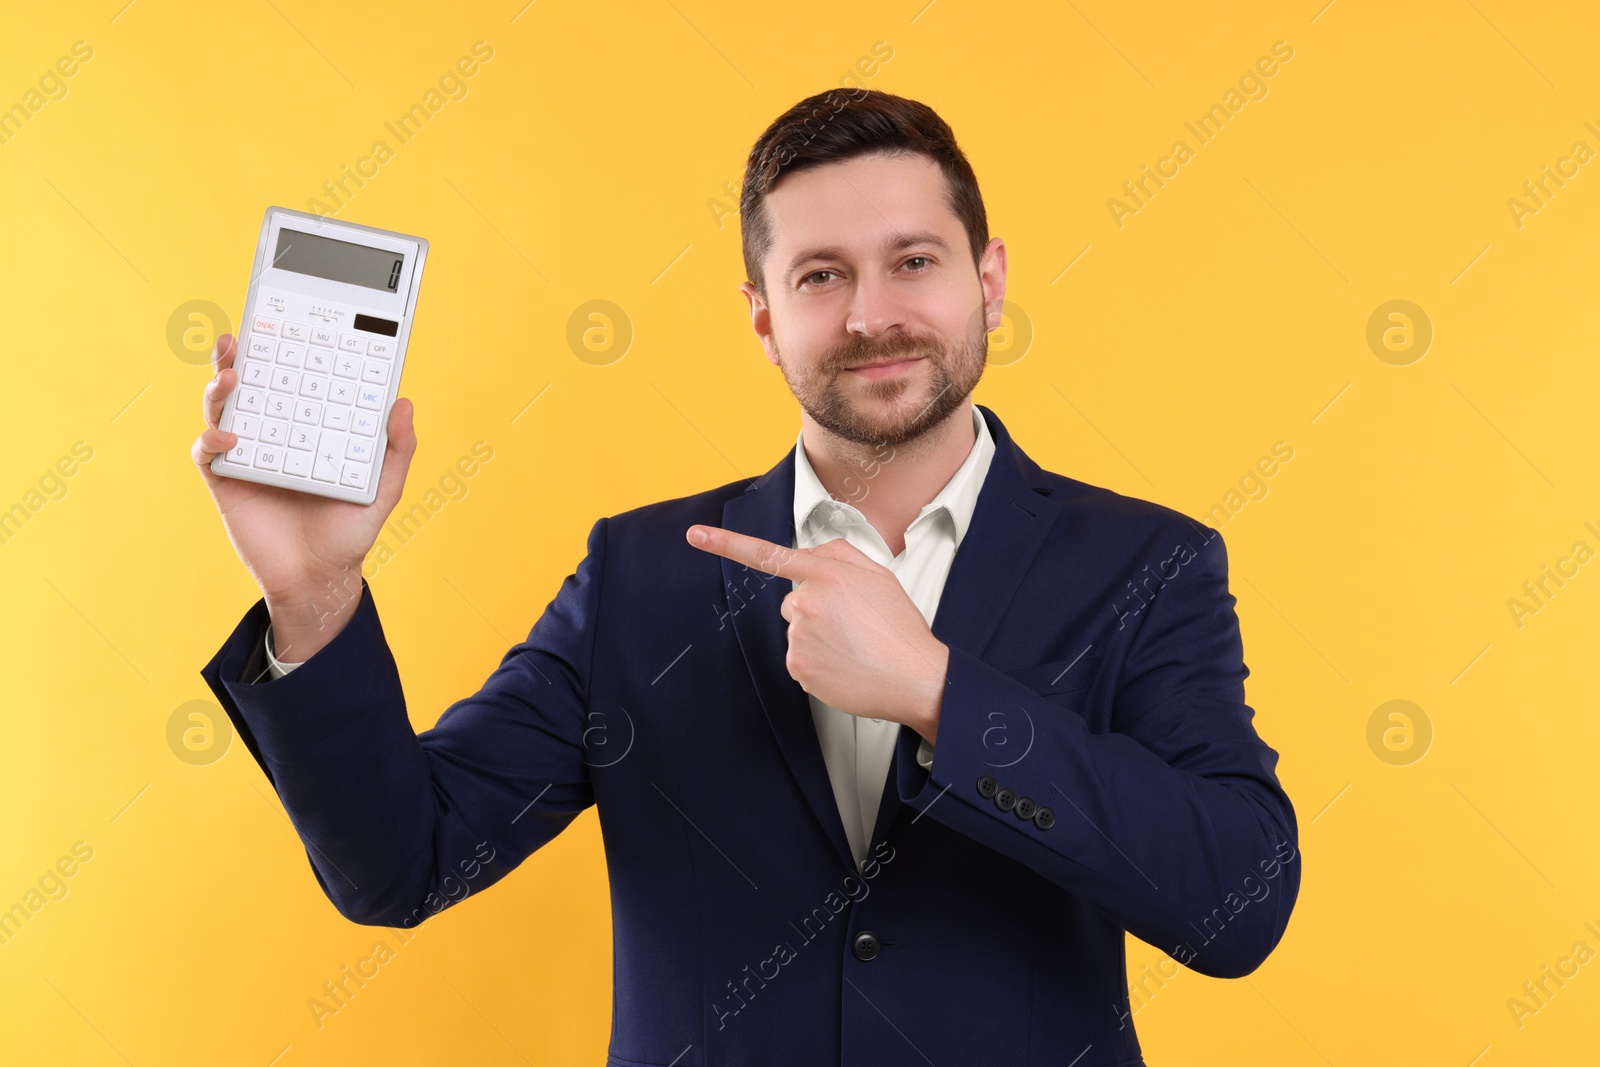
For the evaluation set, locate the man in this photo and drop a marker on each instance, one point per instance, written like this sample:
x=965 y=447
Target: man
x=889 y=759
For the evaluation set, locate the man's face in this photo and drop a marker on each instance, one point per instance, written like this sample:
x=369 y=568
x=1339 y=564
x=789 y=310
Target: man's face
x=868 y=265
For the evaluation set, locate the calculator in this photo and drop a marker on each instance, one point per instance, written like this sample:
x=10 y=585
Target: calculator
x=320 y=348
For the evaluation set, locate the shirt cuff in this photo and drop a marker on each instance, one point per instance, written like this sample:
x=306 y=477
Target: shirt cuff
x=924 y=750
x=278 y=668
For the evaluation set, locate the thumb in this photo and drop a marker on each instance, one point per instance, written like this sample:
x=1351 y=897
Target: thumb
x=397 y=456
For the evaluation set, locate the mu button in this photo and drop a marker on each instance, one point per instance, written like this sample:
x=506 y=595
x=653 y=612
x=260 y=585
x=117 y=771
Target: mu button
x=866 y=945
x=987 y=787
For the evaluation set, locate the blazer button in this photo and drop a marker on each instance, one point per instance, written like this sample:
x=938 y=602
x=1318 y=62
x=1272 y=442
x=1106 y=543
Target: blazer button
x=1005 y=800
x=866 y=946
x=1025 y=808
x=1044 y=818
x=987 y=787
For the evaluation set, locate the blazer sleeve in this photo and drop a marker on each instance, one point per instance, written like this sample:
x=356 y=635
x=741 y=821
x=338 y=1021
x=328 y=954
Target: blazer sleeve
x=399 y=825
x=1174 y=822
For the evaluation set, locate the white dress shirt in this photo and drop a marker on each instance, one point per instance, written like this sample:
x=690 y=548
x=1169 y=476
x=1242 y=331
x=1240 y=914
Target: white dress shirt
x=858 y=751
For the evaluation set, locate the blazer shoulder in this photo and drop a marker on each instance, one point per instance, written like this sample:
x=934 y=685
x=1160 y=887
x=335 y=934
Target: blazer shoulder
x=664 y=520
x=1102 y=513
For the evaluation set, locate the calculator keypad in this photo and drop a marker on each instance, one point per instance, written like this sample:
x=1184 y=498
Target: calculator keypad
x=309 y=401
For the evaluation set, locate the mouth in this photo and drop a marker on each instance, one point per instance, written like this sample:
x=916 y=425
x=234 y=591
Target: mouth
x=884 y=370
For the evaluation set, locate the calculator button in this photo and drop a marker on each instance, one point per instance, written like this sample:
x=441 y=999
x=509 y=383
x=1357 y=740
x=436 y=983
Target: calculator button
x=265 y=325
x=355 y=475
x=342 y=392
x=252 y=400
x=261 y=346
x=269 y=457
x=336 y=418
x=245 y=426
x=352 y=342
x=297 y=463
x=291 y=354
x=369 y=397
x=364 y=423
x=242 y=453
x=376 y=371
x=303 y=437
x=255 y=373
x=347 y=366
x=274 y=432
x=314 y=385
x=307 y=412
x=285 y=380
x=280 y=406
x=359 y=449
x=319 y=360
x=328 y=465
x=296 y=331
x=380 y=346
x=321 y=335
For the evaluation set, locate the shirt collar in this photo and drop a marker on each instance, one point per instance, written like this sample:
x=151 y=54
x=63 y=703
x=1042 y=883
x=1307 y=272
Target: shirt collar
x=959 y=496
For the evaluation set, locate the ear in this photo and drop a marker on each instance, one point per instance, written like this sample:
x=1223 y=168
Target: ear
x=992 y=276
x=760 y=320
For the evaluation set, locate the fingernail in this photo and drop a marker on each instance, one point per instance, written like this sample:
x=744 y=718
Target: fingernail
x=697 y=536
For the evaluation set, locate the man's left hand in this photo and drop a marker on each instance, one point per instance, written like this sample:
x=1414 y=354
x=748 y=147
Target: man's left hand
x=856 y=641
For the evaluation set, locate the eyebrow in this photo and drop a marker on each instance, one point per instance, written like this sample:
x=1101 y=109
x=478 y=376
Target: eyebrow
x=898 y=242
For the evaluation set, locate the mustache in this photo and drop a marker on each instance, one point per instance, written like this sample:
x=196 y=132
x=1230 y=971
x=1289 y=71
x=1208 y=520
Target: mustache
x=879 y=349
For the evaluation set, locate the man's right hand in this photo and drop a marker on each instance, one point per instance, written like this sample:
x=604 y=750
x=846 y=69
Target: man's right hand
x=304 y=551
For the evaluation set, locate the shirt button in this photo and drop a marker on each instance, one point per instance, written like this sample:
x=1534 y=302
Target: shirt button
x=866 y=946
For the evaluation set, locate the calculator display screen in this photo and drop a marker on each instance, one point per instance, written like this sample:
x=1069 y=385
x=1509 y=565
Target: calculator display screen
x=339 y=261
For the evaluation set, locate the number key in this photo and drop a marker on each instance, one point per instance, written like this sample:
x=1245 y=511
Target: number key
x=255 y=373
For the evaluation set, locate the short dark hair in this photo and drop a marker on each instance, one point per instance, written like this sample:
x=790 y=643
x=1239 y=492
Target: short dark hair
x=841 y=124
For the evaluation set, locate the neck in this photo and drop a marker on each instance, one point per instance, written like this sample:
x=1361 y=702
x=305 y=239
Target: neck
x=890 y=485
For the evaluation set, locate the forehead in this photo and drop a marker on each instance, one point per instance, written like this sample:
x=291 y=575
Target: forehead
x=857 y=203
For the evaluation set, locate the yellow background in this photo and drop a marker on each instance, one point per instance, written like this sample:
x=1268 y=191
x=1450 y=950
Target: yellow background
x=1226 y=315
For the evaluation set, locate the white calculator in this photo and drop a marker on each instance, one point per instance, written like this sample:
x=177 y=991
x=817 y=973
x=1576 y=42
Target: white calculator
x=321 y=345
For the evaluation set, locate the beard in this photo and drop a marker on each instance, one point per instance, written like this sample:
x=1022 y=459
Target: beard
x=888 y=411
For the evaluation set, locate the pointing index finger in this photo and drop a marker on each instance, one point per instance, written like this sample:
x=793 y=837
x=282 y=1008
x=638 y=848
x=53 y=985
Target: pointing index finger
x=754 y=552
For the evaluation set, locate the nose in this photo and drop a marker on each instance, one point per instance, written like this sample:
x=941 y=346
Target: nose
x=874 y=308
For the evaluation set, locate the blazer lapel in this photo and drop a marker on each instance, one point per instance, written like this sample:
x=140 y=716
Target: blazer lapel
x=1009 y=524
x=766 y=510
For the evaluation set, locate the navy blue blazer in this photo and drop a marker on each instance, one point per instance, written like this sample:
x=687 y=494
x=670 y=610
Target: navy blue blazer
x=1096 y=771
